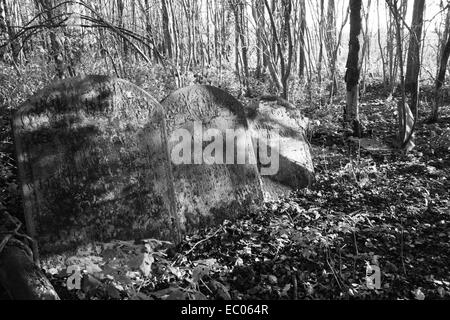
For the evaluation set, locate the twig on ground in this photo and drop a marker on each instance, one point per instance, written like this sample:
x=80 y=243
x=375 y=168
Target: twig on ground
x=203 y=240
x=206 y=286
x=332 y=270
x=295 y=287
x=402 y=253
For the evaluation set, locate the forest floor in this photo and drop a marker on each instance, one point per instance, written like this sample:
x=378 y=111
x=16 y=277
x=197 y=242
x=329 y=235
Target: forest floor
x=370 y=204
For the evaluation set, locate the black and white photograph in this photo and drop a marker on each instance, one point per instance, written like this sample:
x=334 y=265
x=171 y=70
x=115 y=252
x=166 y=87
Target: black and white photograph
x=224 y=155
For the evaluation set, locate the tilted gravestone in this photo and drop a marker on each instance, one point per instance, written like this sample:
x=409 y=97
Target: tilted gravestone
x=287 y=143
x=99 y=159
x=93 y=161
x=207 y=189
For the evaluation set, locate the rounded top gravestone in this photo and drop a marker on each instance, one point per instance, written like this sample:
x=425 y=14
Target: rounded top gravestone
x=93 y=161
x=213 y=162
x=287 y=143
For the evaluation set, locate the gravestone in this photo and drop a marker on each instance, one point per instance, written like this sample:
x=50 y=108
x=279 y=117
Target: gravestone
x=93 y=162
x=287 y=143
x=96 y=161
x=210 y=192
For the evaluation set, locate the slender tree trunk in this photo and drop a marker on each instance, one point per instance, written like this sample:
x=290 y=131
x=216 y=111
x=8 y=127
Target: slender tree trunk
x=330 y=43
x=287 y=5
x=7 y=23
x=120 y=10
x=237 y=29
x=365 y=56
x=321 y=31
x=413 y=64
x=390 y=46
x=55 y=38
x=258 y=16
x=351 y=112
x=443 y=36
x=335 y=54
x=194 y=15
x=441 y=74
x=167 y=25
x=330 y=39
x=240 y=41
x=148 y=26
x=406 y=120
x=383 y=61
x=243 y=24
x=175 y=31
x=4 y=37
x=301 y=66
x=280 y=53
x=209 y=44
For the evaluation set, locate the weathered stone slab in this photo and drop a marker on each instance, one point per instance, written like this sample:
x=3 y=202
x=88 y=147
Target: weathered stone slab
x=93 y=162
x=288 y=142
x=96 y=160
x=208 y=193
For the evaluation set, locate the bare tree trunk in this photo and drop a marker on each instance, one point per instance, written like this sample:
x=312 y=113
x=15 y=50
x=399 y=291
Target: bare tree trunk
x=287 y=5
x=6 y=17
x=364 y=57
x=175 y=31
x=120 y=10
x=167 y=25
x=413 y=64
x=351 y=112
x=330 y=43
x=391 y=54
x=148 y=26
x=216 y=25
x=55 y=41
x=191 y=33
x=443 y=36
x=382 y=53
x=208 y=31
x=406 y=120
x=330 y=39
x=236 y=40
x=258 y=16
x=335 y=54
x=321 y=31
x=194 y=15
x=278 y=45
x=244 y=45
x=240 y=41
x=445 y=53
x=301 y=66
x=4 y=37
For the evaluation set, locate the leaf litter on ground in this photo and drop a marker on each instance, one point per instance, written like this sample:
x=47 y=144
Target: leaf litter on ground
x=368 y=205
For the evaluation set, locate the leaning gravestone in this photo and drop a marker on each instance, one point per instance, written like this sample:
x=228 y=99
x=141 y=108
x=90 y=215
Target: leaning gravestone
x=92 y=156
x=209 y=190
x=286 y=142
x=99 y=159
